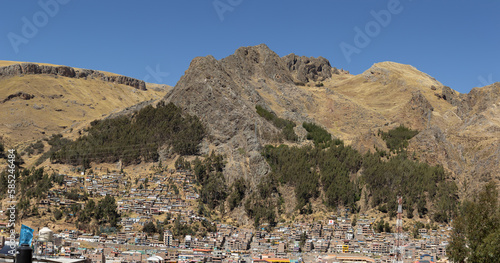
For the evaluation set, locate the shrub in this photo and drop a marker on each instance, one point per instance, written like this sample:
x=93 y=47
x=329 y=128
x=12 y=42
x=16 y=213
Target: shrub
x=57 y=214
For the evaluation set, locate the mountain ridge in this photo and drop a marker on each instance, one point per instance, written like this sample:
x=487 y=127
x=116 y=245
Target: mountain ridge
x=458 y=131
x=351 y=107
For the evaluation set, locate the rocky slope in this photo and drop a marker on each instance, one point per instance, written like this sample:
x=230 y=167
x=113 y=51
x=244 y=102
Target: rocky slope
x=458 y=131
x=224 y=94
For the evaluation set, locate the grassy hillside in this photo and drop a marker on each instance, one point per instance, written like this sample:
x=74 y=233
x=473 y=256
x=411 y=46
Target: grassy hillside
x=60 y=105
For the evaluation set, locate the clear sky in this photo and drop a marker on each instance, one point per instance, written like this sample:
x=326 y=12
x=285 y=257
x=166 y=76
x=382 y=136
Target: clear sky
x=457 y=42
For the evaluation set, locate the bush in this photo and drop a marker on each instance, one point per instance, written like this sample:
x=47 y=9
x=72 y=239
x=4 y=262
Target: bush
x=2 y=150
x=57 y=214
x=149 y=228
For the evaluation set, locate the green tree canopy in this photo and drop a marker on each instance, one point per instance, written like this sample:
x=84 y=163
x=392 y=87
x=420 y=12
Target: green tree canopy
x=476 y=229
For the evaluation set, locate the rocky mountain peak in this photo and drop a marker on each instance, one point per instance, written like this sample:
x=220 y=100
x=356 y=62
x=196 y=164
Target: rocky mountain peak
x=224 y=93
x=257 y=62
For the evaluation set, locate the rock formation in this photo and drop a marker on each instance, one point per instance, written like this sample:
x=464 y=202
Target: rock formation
x=64 y=71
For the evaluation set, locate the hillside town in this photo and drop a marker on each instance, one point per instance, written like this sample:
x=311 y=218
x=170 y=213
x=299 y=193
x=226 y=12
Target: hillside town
x=340 y=238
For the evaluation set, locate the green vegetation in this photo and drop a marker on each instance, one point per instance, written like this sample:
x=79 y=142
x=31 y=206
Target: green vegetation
x=261 y=204
x=381 y=226
x=149 y=228
x=397 y=139
x=57 y=214
x=306 y=167
x=238 y=193
x=2 y=151
x=35 y=148
x=286 y=126
x=303 y=238
x=209 y=175
x=317 y=134
x=56 y=142
x=413 y=180
x=476 y=229
x=181 y=229
x=34 y=183
x=135 y=138
x=181 y=164
x=331 y=168
x=104 y=212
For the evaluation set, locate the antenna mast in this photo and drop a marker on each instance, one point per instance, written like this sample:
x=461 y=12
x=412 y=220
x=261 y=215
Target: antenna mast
x=399 y=232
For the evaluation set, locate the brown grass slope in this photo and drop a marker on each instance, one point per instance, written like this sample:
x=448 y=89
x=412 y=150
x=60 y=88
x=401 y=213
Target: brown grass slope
x=55 y=104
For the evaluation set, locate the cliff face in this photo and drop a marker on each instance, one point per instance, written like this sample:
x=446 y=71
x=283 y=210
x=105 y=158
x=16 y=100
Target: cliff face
x=458 y=131
x=64 y=71
x=225 y=102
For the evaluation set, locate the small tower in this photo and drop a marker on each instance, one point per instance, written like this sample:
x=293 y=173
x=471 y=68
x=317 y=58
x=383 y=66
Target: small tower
x=399 y=232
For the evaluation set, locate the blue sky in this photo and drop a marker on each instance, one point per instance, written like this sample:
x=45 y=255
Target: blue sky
x=457 y=42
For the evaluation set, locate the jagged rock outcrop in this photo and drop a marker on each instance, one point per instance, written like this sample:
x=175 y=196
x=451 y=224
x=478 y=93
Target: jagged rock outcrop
x=310 y=69
x=450 y=95
x=31 y=68
x=479 y=99
x=257 y=62
x=219 y=97
x=468 y=144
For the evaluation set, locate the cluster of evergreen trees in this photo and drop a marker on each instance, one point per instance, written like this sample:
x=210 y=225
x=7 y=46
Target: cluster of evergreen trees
x=135 y=138
x=331 y=167
x=209 y=175
x=415 y=181
x=30 y=183
x=397 y=139
x=317 y=134
x=309 y=168
x=104 y=212
x=56 y=142
x=476 y=229
x=286 y=126
x=262 y=203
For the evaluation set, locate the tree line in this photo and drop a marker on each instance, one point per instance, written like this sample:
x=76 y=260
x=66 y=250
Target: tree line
x=331 y=168
x=135 y=138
